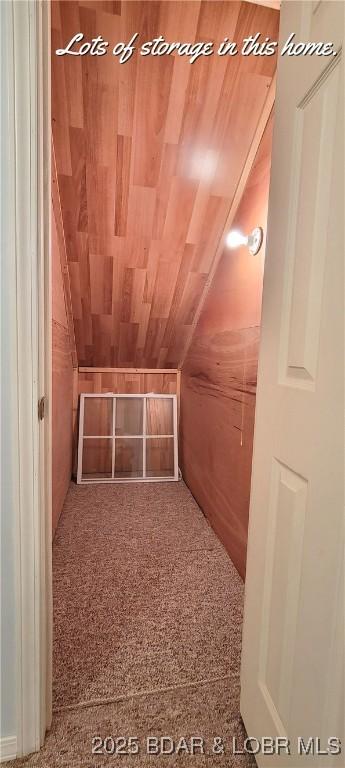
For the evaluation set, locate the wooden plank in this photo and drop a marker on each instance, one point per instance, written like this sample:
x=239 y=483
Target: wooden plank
x=264 y=117
x=127 y=370
x=273 y=4
x=178 y=393
x=150 y=155
x=62 y=385
x=63 y=258
x=219 y=377
x=126 y=381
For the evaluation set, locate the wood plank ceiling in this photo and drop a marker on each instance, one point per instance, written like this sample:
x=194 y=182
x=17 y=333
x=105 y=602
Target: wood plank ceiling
x=149 y=154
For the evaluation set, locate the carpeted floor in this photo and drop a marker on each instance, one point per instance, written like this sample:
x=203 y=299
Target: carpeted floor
x=147 y=630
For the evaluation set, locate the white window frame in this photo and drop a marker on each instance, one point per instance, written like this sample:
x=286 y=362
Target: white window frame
x=113 y=437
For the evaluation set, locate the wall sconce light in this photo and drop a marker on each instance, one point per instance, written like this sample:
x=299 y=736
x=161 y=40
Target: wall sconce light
x=253 y=240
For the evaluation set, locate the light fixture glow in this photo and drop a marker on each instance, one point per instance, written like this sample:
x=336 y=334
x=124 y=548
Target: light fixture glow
x=235 y=239
x=254 y=240
x=202 y=165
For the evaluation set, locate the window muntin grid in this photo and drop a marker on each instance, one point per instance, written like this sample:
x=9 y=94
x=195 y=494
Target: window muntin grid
x=141 y=423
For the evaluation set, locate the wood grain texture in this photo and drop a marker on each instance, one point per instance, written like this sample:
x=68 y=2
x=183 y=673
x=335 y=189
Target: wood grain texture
x=62 y=384
x=127 y=382
x=218 y=383
x=149 y=155
x=123 y=382
x=269 y=3
x=160 y=457
x=242 y=182
x=129 y=421
x=61 y=276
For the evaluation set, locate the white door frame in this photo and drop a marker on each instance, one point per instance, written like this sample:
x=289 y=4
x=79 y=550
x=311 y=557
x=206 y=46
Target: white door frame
x=26 y=207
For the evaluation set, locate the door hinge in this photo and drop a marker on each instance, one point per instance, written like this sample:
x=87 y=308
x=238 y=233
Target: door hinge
x=41 y=407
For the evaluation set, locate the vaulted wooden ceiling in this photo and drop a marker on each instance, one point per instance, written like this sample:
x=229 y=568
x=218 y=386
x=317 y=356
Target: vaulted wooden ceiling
x=149 y=155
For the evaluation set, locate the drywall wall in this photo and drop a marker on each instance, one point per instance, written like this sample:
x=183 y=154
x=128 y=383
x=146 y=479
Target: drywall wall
x=62 y=384
x=218 y=383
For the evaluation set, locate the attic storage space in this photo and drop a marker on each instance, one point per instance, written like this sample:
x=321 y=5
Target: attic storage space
x=156 y=328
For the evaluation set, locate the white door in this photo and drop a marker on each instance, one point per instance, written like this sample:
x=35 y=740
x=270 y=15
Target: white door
x=293 y=640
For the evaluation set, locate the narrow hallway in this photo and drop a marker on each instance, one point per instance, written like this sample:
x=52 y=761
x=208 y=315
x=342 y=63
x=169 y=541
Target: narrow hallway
x=173 y=461
x=147 y=627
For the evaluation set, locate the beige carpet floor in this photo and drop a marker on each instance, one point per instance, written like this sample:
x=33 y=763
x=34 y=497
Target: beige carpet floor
x=147 y=629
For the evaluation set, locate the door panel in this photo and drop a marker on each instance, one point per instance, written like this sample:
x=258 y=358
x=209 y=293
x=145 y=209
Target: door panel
x=293 y=639
x=281 y=584
x=314 y=127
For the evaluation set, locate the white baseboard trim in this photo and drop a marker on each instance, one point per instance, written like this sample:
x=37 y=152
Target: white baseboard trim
x=8 y=748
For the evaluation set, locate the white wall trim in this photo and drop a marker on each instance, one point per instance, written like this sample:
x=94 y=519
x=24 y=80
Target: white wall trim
x=8 y=748
x=27 y=224
x=44 y=279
